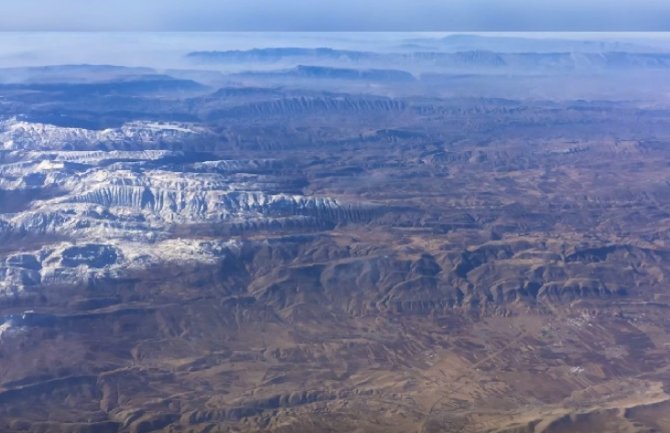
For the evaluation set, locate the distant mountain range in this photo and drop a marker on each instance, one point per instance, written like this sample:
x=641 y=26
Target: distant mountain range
x=325 y=72
x=518 y=44
x=269 y=54
x=473 y=59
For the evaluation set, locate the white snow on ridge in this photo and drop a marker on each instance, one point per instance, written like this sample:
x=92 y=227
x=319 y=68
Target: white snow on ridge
x=21 y=135
x=5 y=328
x=122 y=206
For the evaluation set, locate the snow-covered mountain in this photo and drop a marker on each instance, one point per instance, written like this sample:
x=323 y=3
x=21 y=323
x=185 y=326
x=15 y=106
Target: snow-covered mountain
x=21 y=135
x=107 y=211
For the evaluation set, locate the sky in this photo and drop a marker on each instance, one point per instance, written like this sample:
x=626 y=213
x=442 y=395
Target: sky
x=335 y=15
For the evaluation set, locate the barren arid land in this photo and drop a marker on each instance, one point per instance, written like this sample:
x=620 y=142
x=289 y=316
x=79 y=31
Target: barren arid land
x=443 y=236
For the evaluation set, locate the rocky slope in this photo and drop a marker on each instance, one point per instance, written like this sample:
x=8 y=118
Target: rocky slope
x=116 y=208
x=291 y=260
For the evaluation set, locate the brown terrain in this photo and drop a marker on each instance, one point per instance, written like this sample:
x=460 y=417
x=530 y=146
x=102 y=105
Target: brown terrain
x=502 y=267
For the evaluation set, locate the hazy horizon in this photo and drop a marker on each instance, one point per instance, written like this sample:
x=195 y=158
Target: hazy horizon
x=167 y=49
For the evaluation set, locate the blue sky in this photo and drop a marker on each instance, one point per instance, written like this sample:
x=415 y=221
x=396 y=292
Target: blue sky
x=334 y=15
